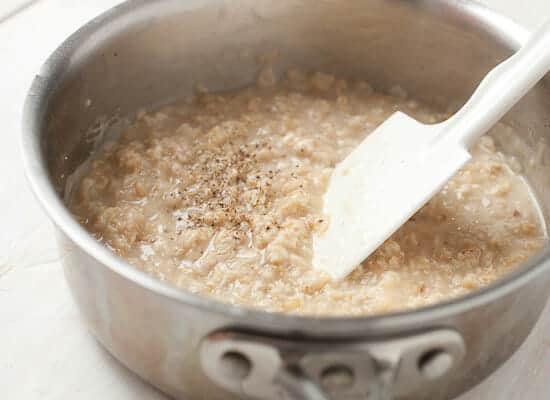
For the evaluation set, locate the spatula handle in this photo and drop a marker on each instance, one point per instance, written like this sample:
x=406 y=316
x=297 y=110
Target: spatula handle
x=500 y=90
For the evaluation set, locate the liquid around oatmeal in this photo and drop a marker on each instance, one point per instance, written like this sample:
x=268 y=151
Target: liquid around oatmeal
x=221 y=196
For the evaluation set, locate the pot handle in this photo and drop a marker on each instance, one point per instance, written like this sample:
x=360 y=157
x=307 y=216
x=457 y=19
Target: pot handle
x=269 y=368
x=299 y=386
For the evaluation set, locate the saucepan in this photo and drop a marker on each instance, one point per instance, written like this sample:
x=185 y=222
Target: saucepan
x=144 y=53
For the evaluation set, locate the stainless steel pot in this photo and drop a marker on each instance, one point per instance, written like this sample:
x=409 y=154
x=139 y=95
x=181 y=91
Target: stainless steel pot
x=146 y=52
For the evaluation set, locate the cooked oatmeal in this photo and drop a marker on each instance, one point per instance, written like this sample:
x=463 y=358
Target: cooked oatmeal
x=220 y=195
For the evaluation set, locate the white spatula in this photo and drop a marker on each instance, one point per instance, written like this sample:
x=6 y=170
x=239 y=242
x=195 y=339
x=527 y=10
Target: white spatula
x=404 y=163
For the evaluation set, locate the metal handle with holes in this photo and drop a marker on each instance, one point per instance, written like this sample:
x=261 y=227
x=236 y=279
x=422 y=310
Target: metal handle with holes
x=269 y=368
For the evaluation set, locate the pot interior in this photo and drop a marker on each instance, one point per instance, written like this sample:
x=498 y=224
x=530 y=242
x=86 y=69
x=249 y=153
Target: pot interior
x=122 y=62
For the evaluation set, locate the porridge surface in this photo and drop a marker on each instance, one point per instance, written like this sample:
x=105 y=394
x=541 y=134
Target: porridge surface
x=221 y=195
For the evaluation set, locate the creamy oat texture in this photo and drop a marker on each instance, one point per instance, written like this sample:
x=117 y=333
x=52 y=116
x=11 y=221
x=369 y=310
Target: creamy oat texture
x=221 y=196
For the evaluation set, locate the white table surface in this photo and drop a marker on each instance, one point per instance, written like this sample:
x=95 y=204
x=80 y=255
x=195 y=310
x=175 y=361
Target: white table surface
x=45 y=350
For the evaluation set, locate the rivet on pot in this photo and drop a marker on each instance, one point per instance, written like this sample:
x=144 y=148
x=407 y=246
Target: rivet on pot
x=435 y=363
x=235 y=365
x=337 y=377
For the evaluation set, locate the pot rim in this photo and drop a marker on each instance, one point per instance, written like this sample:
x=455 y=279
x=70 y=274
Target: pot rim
x=35 y=166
